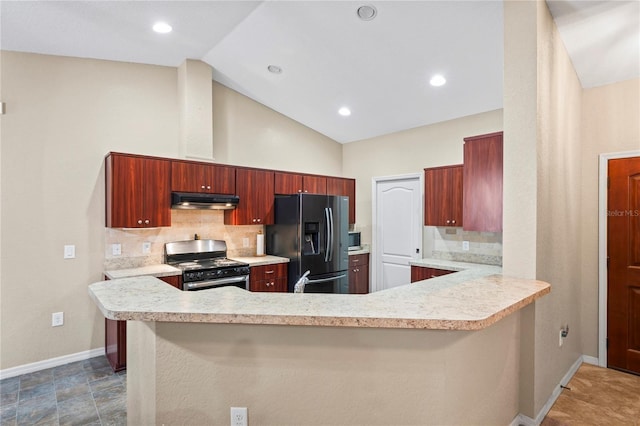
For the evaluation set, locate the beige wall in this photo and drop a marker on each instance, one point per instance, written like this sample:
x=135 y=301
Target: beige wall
x=323 y=375
x=409 y=151
x=558 y=249
x=250 y=134
x=63 y=115
x=609 y=124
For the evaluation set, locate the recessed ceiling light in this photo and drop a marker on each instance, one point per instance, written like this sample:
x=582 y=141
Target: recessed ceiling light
x=367 y=12
x=162 y=27
x=344 y=111
x=437 y=80
x=274 y=69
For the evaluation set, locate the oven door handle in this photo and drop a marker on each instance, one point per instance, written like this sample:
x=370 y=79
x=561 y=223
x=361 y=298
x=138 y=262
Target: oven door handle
x=215 y=283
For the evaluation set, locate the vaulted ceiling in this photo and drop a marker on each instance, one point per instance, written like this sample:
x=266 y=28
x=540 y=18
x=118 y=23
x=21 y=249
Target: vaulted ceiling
x=327 y=56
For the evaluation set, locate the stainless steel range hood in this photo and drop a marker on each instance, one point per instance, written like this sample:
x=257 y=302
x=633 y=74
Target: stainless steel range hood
x=192 y=200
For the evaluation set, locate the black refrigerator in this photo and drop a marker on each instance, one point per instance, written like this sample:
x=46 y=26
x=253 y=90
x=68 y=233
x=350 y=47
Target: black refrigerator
x=312 y=231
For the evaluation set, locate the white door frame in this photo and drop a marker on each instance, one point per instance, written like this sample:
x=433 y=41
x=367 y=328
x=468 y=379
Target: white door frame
x=602 y=250
x=375 y=253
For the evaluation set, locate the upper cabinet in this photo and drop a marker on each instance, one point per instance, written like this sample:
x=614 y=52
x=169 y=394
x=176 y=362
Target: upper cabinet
x=189 y=176
x=345 y=187
x=255 y=189
x=443 y=196
x=294 y=183
x=137 y=191
x=482 y=195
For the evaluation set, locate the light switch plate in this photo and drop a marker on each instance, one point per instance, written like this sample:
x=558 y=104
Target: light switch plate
x=69 y=252
x=116 y=249
x=465 y=245
x=146 y=247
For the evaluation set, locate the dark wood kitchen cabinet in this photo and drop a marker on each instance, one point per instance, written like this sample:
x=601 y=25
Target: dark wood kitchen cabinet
x=190 y=176
x=359 y=273
x=443 y=196
x=256 y=192
x=271 y=278
x=115 y=334
x=420 y=273
x=295 y=183
x=482 y=194
x=345 y=187
x=137 y=191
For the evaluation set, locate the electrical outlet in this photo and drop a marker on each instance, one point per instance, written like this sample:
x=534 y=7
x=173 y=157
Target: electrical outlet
x=465 y=245
x=57 y=319
x=245 y=242
x=239 y=416
x=69 y=252
x=146 y=247
x=116 y=249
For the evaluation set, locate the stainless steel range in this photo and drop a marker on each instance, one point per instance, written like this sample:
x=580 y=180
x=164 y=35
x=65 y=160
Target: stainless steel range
x=205 y=265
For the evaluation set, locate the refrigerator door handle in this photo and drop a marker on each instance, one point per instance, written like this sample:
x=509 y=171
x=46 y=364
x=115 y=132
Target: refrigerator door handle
x=331 y=235
x=324 y=280
x=328 y=235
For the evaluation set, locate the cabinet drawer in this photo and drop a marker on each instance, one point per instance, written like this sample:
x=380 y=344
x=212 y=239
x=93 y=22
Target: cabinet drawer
x=358 y=260
x=267 y=272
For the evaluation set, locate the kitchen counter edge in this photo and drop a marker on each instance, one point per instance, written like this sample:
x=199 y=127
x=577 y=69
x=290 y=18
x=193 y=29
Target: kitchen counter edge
x=474 y=300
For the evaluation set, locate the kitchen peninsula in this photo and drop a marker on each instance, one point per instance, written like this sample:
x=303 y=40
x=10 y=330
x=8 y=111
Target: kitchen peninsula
x=449 y=345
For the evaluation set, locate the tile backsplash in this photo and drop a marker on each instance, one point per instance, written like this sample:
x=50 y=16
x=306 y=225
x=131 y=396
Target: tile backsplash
x=447 y=243
x=208 y=224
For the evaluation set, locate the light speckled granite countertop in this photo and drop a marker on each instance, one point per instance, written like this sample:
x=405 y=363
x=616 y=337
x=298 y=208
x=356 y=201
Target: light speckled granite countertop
x=471 y=299
x=261 y=260
x=164 y=270
x=161 y=270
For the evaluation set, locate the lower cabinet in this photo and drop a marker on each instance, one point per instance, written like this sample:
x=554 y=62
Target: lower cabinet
x=271 y=278
x=420 y=273
x=359 y=273
x=115 y=333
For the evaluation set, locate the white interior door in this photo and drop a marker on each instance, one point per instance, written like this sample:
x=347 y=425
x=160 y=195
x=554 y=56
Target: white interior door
x=397 y=229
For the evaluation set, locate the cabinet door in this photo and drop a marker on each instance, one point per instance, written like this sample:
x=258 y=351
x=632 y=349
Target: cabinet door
x=420 y=273
x=137 y=192
x=271 y=278
x=198 y=177
x=175 y=280
x=359 y=274
x=346 y=187
x=482 y=197
x=156 y=193
x=314 y=184
x=443 y=196
x=255 y=189
x=186 y=177
x=287 y=183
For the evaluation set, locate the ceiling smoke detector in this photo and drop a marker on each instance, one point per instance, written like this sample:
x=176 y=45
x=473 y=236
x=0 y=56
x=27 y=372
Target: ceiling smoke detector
x=367 y=12
x=274 y=69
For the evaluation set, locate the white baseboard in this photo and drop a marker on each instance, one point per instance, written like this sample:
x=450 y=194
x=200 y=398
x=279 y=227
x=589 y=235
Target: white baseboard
x=523 y=420
x=590 y=360
x=48 y=363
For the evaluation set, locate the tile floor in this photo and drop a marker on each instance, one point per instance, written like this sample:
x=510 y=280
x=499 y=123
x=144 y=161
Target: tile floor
x=597 y=396
x=79 y=393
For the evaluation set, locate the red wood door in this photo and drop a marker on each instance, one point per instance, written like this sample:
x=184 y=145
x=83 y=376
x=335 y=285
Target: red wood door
x=347 y=187
x=443 y=196
x=482 y=197
x=314 y=184
x=287 y=183
x=255 y=189
x=623 y=251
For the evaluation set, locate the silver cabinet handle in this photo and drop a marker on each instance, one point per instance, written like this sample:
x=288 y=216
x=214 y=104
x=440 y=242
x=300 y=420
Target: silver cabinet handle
x=208 y=187
x=453 y=221
x=269 y=272
x=140 y=222
x=146 y=221
x=259 y=220
x=201 y=186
